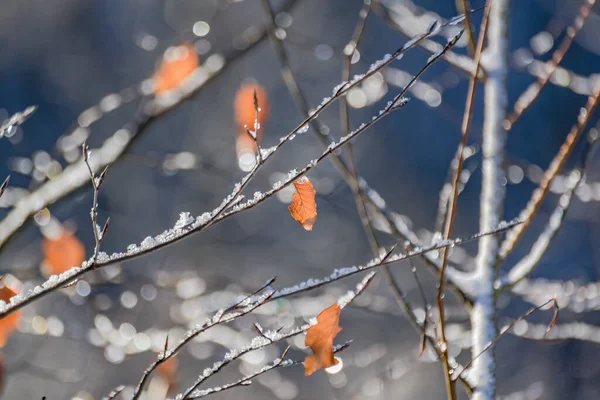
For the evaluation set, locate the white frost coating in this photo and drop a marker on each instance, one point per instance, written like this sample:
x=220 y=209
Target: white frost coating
x=184 y=220
x=351 y=294
x=495 y=62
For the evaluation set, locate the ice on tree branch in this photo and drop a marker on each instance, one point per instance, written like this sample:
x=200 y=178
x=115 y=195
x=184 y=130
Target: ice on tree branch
x=267 y=338
x=247 y=380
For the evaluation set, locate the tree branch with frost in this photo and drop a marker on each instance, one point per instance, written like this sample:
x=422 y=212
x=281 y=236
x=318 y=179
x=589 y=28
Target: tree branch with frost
x=96 y=184
x=222 y=316
x=75 y=175
x=391 y=18
x=187 y=225
x=554 y=168
x=495 y=61
x=247 y=380
x=267 y=338
x=348 y=171
x=531 y=93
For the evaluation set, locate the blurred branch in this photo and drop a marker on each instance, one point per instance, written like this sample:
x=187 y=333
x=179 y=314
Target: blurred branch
x=347 y=171
x=530 y=94
x=447 y=189
x=464 y=7
x=357 y=184
x=507 y=328
x=533 y=206
x=223 y=316
x=566 y=331
x=391 y=18
x=16 y=120
x=76 y=175
x=570 y=295
x=528 y=263
x=267 y=338
x=562 y=77
x=493 y=192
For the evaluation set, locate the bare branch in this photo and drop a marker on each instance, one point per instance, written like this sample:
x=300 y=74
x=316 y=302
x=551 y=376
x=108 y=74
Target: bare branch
x=268 y=338
x=16 y=120
x=512 y=325
x=450 y=387
x=76 y=175
x=528 y=263
x=405 y=24
x=574 y=296
x=555 y=167
x=223 y=316
x=565 y=331
x=530 y=94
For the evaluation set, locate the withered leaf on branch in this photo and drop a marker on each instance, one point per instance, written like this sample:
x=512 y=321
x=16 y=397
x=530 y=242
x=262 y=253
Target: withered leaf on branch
x=320 y=337
x=304 y=206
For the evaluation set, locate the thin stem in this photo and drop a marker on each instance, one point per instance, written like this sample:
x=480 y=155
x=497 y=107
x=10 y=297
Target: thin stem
x=450 y=387
x=533 y=206
x=512 y=325
x=465 y=8
x=531 y=93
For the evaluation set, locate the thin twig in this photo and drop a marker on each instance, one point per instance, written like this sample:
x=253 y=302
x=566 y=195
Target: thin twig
x=220 y=317
x=465 y=8
x=510 y=326
x=76 y=175
x=348 y=171
x=450 y=387
x=260 y=341
x=527 y=264
x=462 y=63
x=446 y=191
x=554 y=168
x=232 y=203
x=96 y=184
x=531 y=93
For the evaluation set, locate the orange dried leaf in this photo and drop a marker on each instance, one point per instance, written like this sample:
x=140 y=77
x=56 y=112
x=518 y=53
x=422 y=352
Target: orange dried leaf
x=168 y=370
x=243 y=106
x=178 y=63
x=320 y=337
x=245 y=116
x=9 y=323
x=63 y=253
x=304 y=206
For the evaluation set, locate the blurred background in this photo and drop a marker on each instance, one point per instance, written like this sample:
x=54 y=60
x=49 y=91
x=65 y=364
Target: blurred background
x=69 y=56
